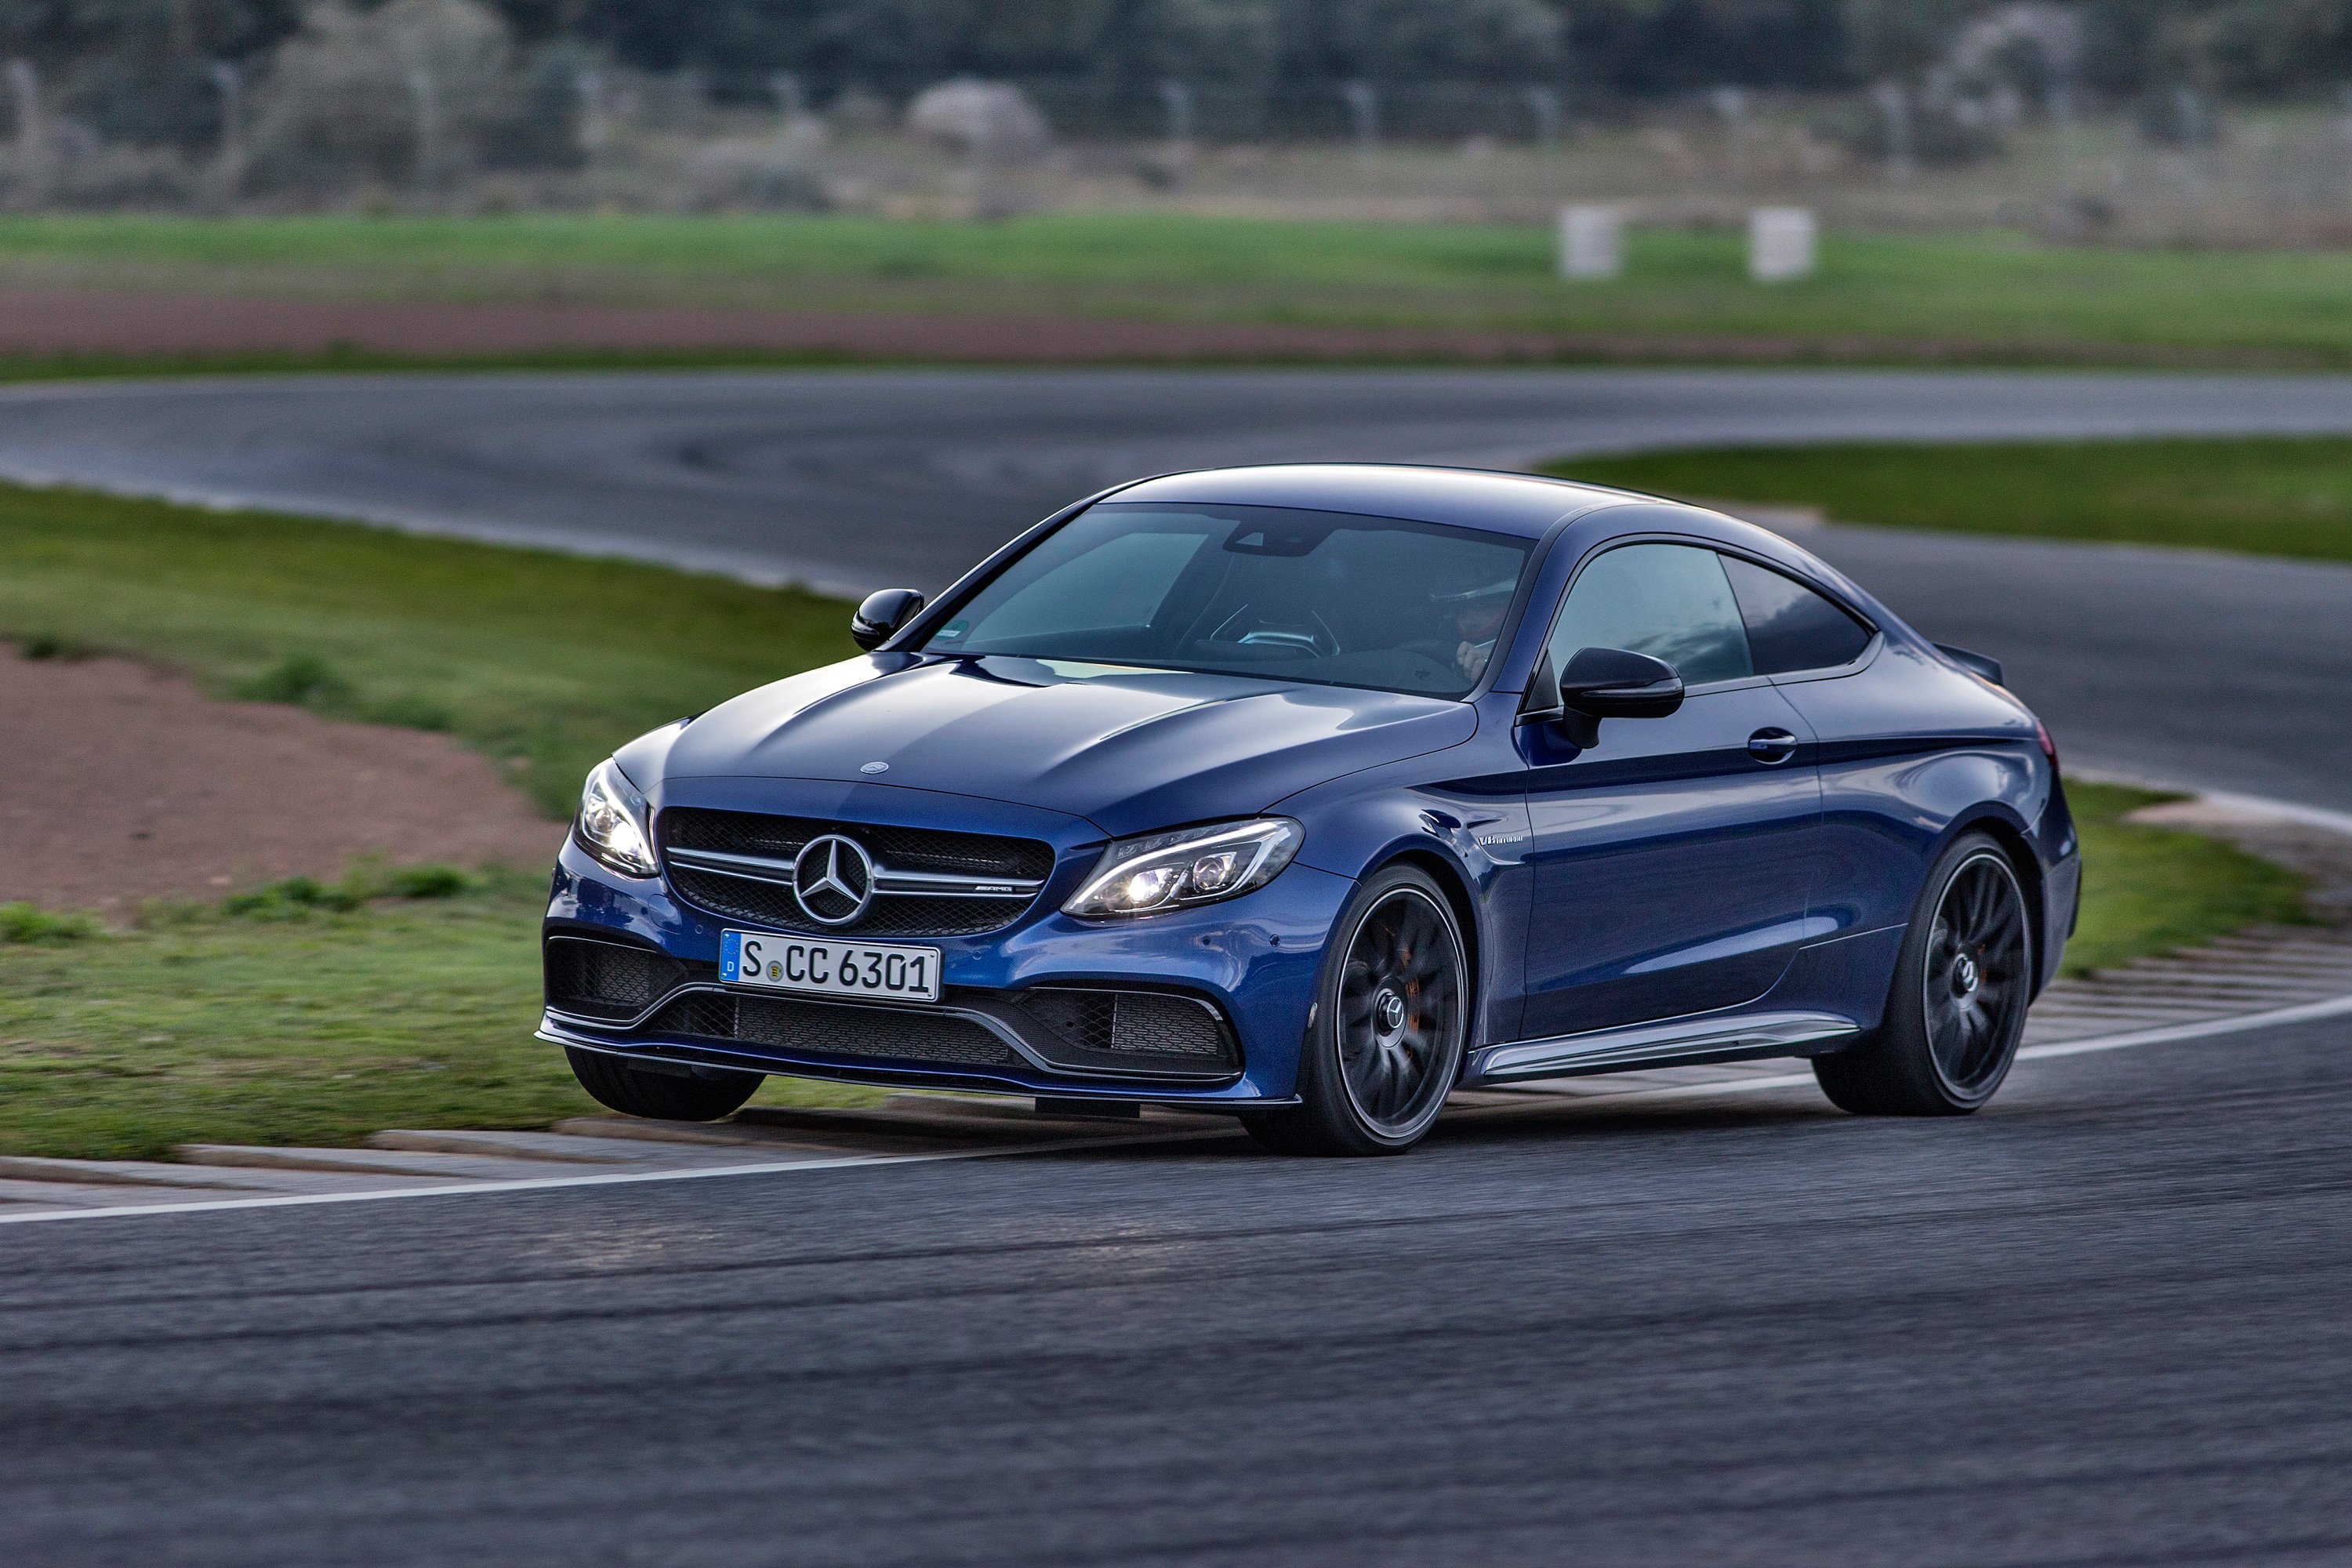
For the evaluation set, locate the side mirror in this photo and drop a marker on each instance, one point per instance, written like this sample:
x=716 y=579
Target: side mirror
x=1600 y=683
x=877 y=620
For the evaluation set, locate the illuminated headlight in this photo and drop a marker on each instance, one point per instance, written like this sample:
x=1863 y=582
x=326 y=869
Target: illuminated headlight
x=611 y=822
x=1197 y=866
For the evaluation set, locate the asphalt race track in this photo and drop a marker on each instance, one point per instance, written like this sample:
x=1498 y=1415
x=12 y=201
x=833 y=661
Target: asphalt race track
x=2101 y=1323
x=2190 y=669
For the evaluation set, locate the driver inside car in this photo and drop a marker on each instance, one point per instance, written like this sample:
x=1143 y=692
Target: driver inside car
x=1477 y=615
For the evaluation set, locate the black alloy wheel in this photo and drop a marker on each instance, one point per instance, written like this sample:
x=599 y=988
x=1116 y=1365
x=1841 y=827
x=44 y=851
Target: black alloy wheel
x=1390 y=1030
x=1957 y=1008
x=1976 y=984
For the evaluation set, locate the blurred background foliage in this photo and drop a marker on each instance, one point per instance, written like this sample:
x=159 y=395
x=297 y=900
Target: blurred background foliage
x=148 y=72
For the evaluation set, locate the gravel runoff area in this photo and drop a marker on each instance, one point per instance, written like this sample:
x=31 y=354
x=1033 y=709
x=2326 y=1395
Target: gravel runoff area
x=69 y=325
x=128 y=783
x=141 y=326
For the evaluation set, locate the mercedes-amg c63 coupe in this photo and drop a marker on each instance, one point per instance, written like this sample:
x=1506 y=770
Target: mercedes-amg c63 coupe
x=1312 y=793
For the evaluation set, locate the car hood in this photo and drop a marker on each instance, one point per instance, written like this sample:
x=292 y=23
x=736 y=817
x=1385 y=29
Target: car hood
x=1130 y=750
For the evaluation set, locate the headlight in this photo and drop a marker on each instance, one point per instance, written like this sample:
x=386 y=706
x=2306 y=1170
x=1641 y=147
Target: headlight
x=1197 y=866
x=611 y=822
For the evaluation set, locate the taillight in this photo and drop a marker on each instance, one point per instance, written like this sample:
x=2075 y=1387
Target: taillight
x=2049 y=746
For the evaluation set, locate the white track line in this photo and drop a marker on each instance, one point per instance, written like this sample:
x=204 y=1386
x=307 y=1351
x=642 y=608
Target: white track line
x=2248 y=806
x=617 y=1178
x=2335 y=1007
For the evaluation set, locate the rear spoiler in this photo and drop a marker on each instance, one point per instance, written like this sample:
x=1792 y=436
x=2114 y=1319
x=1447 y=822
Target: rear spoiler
x=1974 y=663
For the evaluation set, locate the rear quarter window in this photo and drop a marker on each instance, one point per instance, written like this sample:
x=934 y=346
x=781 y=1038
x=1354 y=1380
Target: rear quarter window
x=1790 y=626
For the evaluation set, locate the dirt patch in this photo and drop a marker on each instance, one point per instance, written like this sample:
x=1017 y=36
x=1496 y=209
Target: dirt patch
x=52 y=325
x=126 y=782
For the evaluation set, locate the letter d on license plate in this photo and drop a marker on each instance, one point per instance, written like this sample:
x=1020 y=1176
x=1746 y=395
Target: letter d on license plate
x=822 y=968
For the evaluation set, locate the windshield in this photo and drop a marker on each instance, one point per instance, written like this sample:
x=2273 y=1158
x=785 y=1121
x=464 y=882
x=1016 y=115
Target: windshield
x=1321 y=596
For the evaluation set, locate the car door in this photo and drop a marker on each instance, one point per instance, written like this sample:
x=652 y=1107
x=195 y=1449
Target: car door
x=1671 y=860
x=1861 y=698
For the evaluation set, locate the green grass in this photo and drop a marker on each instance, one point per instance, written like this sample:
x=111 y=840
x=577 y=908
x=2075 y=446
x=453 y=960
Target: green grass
x=292 y=1023
x=317 y=1013
x=2288 y=495
x=544 y=661
x=1989 y=297
x=2146 y=888
x=299 y=1022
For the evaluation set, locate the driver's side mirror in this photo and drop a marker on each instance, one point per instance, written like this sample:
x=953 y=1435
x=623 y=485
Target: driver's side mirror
x=877 y=620
x=1600 y=683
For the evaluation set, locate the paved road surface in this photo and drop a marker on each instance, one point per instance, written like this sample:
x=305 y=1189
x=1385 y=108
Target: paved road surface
x=2101 y=1323
x=2216 y=673
x=859 y=480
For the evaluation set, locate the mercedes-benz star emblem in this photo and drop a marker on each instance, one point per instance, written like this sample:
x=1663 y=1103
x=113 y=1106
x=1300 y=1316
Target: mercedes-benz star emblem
x=832 y=880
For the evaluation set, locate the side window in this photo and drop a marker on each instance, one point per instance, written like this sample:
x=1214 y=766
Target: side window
x=1669 y=601
x=1790 y=626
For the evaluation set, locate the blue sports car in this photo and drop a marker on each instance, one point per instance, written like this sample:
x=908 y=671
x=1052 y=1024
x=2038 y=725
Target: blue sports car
x=1314 y=793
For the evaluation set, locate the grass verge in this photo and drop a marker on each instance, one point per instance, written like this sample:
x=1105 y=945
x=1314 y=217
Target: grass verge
x=1993 y=297
x=301 y=1016
x=2289 y=495
x=2147 y=889
x=289 y=1021
x=311 y=1012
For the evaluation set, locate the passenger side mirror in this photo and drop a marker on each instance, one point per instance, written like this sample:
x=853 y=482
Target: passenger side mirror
x=1600 y=683
x=877 y=620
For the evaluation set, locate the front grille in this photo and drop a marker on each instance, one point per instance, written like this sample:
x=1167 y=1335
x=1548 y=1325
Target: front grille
x=1101 y=1027
x=778 y=839
x=889 y=1034
x=595 y=979
x=769 y=904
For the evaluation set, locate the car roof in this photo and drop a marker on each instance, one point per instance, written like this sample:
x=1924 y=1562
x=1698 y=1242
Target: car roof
x=1526 y=505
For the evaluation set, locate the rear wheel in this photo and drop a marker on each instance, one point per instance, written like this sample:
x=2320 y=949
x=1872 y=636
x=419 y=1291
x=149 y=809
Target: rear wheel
x=1388 y=1027
x=1957 y=1008
x=700 y=1094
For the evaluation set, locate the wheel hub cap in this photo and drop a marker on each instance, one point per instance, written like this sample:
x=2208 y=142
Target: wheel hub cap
x=1389 y=1013
x=1965 y=975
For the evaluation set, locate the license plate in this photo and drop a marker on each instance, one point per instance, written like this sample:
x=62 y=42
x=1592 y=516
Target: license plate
x=829 y=968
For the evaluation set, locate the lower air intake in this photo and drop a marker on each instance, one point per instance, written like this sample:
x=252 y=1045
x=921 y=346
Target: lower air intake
x=609 y=980
x=1148 y=1029
x=831 y=1029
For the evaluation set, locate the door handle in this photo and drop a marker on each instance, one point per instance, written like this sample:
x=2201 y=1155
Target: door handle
x=1772 y=747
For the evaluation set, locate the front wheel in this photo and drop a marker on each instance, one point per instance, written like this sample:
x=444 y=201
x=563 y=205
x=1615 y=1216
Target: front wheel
x=1385 y=1043
x=702 y=1094
x=1955 y=1010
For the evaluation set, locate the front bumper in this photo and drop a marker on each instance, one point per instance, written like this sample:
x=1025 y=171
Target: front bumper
x=1253 y=961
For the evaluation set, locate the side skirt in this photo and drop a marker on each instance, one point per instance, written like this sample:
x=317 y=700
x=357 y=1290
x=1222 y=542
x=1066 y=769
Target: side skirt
x=1715 y=1038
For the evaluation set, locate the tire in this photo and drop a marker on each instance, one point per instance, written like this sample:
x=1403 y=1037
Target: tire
x=700 y=1094
x=1391 y=1017
x=1956 y=1009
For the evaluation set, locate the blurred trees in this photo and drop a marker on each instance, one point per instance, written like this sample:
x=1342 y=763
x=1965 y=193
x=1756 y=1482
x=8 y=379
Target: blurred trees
x=146 y=72
x=414 y=91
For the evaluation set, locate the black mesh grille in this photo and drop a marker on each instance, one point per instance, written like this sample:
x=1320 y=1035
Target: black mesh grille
x=606 y=980
x=977 y=855
x=1133 y=1023
x=891 y=1033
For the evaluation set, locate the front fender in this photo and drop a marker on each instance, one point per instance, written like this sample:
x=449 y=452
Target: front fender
x=1466 y=826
